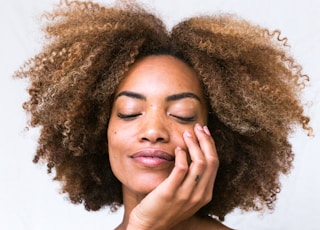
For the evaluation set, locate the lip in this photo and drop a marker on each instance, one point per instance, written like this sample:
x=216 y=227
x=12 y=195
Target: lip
x=152 y=158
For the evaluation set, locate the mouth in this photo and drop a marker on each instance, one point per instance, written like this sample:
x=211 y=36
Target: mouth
x=152 y=158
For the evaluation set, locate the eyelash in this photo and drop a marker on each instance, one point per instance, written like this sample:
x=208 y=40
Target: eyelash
x=128 y=116
x=184 y=119
x=132 y=116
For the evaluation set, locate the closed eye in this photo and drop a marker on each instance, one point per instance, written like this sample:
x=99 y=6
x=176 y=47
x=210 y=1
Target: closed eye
x=184 y=119
x=128 y=116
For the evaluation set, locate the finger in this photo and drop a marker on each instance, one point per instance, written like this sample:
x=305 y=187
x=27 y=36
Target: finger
x=206 y=142
x=179 y=172
x=207 y=145
x=209 y=151
x=198 y=162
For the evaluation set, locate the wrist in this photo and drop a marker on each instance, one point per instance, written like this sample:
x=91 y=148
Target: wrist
x=135 y=224
x=138 y=221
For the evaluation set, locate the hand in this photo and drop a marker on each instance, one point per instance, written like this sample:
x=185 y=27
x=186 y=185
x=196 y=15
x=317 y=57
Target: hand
x=186 y=189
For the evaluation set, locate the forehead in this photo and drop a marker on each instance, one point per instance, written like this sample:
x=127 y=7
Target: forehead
x=161 y=73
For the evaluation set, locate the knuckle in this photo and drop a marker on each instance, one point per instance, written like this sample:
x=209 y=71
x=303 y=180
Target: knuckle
x=201 y=163
x=200 y=199
x=181 y=167
x=184 y=198
x=208 y=197
x=167 y=196
x=213 y=161
x=197 y=198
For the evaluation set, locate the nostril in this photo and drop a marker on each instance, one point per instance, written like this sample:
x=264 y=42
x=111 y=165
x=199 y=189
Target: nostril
x=153 y=134
x=160 y=139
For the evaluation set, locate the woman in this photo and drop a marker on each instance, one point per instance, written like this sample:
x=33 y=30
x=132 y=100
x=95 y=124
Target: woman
x=133 y=114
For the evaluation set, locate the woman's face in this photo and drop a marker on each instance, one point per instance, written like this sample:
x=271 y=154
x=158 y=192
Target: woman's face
x=157 y=101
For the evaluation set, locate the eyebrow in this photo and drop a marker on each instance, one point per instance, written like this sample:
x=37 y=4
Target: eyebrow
x=179 y=96
x=132 y=95
x=173 y=97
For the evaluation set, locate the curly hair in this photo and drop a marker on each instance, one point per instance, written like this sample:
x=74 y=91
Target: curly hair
x=251 y=82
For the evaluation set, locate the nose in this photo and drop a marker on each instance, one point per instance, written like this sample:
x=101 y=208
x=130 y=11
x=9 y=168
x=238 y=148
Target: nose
x=154 y=129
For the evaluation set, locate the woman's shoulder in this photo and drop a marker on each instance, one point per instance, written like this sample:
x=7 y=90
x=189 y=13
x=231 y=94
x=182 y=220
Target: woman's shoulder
x=211 y=223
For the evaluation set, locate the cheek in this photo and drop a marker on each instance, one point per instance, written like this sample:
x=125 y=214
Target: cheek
x=112 y=131
x=113 y=142
x=203 y=118
x=113 y=150
x=178 y=139
x=177 y=136
x=118 y=139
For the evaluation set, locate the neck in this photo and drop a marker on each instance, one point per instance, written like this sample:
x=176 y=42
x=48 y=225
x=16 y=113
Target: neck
x=130 y=201
x=184 y=225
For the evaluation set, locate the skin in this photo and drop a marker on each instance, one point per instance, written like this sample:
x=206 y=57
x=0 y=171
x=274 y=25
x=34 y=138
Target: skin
x=160 y=112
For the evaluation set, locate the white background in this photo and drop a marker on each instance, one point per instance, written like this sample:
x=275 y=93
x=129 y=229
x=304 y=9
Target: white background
x=29 y=200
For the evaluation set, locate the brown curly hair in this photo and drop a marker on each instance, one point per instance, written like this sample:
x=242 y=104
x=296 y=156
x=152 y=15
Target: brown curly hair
x=251 y=81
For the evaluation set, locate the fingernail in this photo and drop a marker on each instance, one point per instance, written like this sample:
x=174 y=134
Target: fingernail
x=206 y=130
x=187 y=134
x=199 y=127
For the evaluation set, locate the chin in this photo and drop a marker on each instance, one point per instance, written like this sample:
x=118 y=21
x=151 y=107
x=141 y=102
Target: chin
x=146 y=189
x=145 y=184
